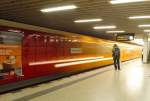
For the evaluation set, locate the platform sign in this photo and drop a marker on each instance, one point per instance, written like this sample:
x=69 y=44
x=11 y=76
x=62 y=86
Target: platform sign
x=125 y=37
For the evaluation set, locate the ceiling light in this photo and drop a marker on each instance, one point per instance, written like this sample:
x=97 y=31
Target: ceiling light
x=140 y=17
x=146 y=30
x=104 y=27
x=119 y=31
x=146 y=25
x=125 y=1
x=131 y=37
x=88 y=20
x=60 y=8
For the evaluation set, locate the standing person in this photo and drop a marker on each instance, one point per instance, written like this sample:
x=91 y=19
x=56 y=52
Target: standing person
x=116 y=56
x=142 y=55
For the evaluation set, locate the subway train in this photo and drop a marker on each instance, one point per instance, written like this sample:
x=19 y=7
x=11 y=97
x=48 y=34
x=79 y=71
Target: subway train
x=31 y=54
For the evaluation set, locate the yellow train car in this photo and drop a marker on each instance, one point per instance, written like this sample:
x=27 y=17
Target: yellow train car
x=31 y=54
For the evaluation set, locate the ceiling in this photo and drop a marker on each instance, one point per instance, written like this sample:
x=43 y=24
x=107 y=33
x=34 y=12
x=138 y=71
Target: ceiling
x=28 y=11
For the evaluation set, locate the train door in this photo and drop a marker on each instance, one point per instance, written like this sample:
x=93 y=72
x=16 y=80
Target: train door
x=10 y=55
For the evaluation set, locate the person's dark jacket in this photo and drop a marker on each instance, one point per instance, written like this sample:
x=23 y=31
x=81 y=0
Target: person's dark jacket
x=116 y=52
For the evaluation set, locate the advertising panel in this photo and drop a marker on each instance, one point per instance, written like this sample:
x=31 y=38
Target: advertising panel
x=10 y=55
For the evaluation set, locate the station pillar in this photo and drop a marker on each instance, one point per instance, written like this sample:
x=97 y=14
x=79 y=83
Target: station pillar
x=145 y=49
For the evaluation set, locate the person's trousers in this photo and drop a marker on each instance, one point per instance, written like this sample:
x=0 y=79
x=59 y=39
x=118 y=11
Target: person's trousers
x=117 y=63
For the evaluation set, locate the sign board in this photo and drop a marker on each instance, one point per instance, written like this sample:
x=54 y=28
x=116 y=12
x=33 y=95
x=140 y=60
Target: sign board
x=76 y=50
x=125 y=37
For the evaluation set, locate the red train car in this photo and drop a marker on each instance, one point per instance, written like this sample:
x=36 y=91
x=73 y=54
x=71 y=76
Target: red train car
x=30 y=54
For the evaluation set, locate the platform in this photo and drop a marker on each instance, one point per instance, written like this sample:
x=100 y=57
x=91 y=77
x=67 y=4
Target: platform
x=132 y=83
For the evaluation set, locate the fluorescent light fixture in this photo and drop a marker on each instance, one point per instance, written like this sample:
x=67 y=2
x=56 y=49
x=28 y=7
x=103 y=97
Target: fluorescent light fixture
x=125 y=1
x=87 y=20
x=140 y=17
x=60 y=8
x=104 y=27
x=146 y=25
x=119 y=31
x=131 y=37
x=147 y=30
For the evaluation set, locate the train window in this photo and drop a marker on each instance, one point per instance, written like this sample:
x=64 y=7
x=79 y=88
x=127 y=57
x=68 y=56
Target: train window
x=10 y=54
x=57 y=40
x=10 y=38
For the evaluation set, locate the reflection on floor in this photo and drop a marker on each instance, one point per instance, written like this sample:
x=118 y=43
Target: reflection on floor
x=132 y=83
